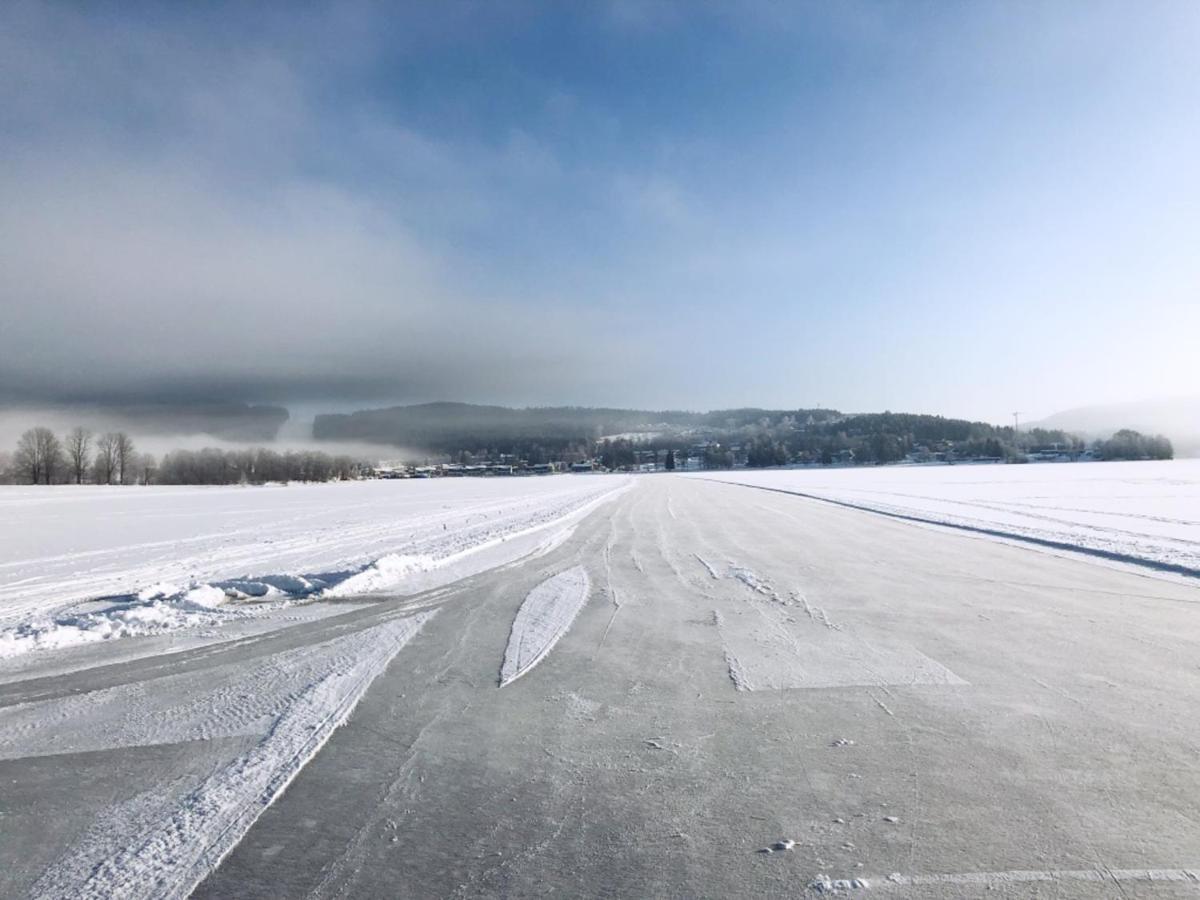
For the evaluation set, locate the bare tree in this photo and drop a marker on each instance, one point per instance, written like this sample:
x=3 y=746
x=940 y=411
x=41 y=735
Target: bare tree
x=106 y=458
x=124 y=456
x=39 y=454
x=146 y=468
x=79 y=445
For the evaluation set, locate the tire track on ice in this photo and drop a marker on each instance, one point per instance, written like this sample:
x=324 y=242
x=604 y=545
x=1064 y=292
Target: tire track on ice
x=171 y=848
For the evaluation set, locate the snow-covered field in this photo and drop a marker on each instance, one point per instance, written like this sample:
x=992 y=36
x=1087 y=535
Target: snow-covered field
x=84 y=564
x=1140 y=513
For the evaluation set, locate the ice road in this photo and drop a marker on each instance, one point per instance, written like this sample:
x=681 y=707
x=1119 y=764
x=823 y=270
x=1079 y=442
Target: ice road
x=708 y=672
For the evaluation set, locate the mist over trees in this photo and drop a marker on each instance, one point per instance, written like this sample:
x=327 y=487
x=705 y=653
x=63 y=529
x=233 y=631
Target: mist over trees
x=452 y=427
x=253 y=466
x=1129 y=444
x=761 y=439
x=41 y=458
x=725 y=439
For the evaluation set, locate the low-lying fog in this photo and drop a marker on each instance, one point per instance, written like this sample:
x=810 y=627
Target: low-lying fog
x=157 y=436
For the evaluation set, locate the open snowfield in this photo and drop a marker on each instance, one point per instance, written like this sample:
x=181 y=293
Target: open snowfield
x=661 y=686
x=84 y=564
x=1141 y=513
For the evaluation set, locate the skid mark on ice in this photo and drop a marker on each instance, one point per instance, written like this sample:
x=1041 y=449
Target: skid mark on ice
x=752 y=580
x=167 y=853
x=339 y=873
x=881 y=704
x=996 y=880
x=1084 y=829
x=607 y=628
x=816 y=613
x=544 y=617
x=663 y=542
x=712 y=570
x=481 y=879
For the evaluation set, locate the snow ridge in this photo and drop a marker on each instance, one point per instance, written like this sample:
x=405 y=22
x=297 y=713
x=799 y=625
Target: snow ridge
x=432 y=554
x=62 y=553
x=544 y=617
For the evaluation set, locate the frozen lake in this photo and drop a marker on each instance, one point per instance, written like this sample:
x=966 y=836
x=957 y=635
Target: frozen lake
x=706 y=671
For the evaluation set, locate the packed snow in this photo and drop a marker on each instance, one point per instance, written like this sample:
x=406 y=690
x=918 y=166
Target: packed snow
x=1128 y=513
x=228 y=701
x=543 y=618
x=770 y=648
x=162 y=846
x=86 y=564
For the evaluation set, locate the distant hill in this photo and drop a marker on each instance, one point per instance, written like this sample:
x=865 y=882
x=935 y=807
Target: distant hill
x=450 y=426
x=1177 y=418
x=725 y=437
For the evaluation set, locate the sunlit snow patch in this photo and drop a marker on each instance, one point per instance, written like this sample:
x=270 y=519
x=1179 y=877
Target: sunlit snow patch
x=159 y=609
x=543 y=618
x=386 y=572
x=77 y=573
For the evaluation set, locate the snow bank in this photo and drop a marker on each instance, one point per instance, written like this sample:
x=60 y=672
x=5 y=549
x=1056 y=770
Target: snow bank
x=61 y=548
x=384 y=573
x=158 y=610
x=167 y=853
x=543 y=618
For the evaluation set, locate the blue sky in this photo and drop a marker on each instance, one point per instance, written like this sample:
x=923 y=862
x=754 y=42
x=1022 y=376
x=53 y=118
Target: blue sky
x=956 y=208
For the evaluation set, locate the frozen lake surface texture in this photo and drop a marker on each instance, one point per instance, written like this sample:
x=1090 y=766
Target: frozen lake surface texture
x=967 y=681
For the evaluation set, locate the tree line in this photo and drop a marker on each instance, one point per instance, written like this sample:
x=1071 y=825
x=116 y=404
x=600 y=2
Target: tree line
x=876 y=439
x=82 y=457
x=109 y=458
x=1129 y=444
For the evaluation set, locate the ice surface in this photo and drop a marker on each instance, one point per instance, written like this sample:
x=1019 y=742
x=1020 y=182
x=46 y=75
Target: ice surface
x=543 y=618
